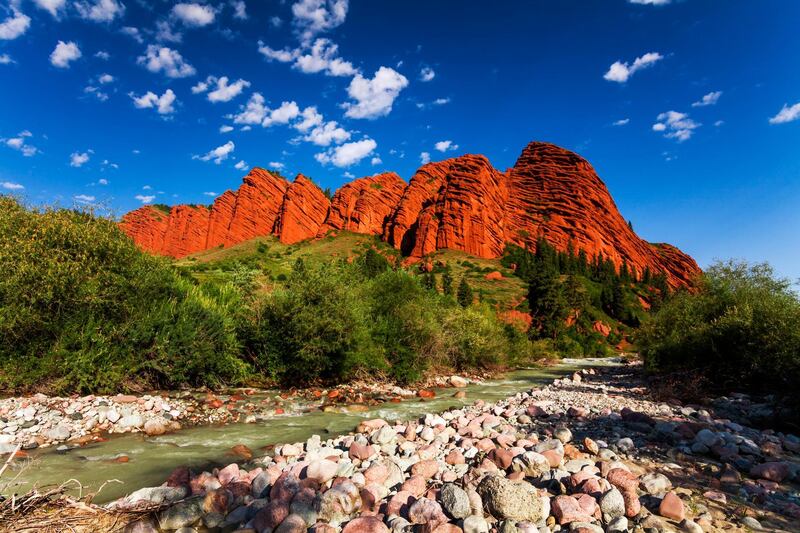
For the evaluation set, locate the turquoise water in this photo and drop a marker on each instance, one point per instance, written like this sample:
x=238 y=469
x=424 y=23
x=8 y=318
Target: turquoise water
x=151 y=459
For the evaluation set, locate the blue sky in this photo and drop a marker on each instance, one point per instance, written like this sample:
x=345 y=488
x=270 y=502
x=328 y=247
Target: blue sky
x=688 y=109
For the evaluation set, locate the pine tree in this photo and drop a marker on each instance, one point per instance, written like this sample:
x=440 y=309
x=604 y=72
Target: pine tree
x=447 y=282
x=429 y=281
x=464 y=295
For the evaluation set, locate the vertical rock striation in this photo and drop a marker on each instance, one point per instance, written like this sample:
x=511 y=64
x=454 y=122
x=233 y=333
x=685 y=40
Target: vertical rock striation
x=462 y=203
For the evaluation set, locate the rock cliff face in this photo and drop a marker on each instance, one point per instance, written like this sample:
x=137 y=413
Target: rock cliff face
x=462 y=203
x=365 y=205
x=303 y=211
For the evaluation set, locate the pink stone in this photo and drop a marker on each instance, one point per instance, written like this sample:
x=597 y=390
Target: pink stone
x=271 y=515
x=622 y=479
x=455 y=457
x=632 y=503
x=427 y=469
x=773 y=471
x=672 y=507
x=228 y=474
x=376 y=473
x=361 y=451
x=400 y=503
x=416 y=485
x=365 y=524
x=567 y=509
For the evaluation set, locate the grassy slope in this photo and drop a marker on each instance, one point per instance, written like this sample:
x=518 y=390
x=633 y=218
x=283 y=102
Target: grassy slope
x=273 y=258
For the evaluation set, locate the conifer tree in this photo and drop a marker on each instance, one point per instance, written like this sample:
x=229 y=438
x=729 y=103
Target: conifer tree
x=447 y=282
x=464 y=294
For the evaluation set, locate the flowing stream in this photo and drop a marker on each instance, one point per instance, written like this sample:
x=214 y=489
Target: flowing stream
x=151 y=459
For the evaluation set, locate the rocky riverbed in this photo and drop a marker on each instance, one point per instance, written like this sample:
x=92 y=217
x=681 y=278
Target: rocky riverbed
x=39 y=420
x=588 y=453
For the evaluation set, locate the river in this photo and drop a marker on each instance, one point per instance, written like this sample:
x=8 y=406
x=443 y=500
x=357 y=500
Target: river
x=151 y=459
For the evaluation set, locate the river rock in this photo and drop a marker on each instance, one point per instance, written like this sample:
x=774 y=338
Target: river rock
x=185 y=513
x=512 y=500
x=455 y=501
x=612 y=505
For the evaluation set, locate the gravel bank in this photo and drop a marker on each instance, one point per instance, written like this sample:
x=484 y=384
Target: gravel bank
x=590 y=453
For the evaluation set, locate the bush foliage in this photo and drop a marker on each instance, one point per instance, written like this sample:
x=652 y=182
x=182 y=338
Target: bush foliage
x=82 y=309
x=741 y=330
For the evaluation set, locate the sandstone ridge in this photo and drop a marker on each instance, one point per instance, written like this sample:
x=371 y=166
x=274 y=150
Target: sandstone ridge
x=462 y=203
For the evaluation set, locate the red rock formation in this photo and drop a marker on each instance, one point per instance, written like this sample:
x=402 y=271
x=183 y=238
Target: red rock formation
x=364 y=205
x=461 y=203
x=467 y=213
x=303 y=211
x=258 y=201
x=187 y=230
x=421 y=192
x=220 y=219
x=147 y=226
x=556 y=194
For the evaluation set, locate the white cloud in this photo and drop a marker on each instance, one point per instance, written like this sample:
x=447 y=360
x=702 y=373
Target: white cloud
x=165 y=32
x=5 y=59
x=105 y=78
x=621 y=122
x=225 y=128
x=102 y=54
x=315 y=16
x=321 y=56
x=675 y=125
x=162 y=58
x=444 y=146
x=311 y=119
x=11 y=186
x=275 y=22
x=224 y=91
x=100 y=10
x=719 y=123
x=77 y=159
x=328 y=133
x=64 y=53
x=650 y=2
x=20 y=144
x=210 y=193
x=253 y=112
x=163 y=103
x=621 y=72
x=708 y=99
x=102 y=181
x=347 y=154
x=100 y=95
x=194 y=15
x=239 y=9
x=51 y=6
x=241 y=165
x=425 y=158
x=441 y=101
x=133 y=33
x=83 y=198
x=14 y=26
x=145 y=198
x=376 y=161
x=786 y=114
x=281 y=115
x=374 y=98
x=277 y=165
x=218 y=154
x=427 y=74
x=147 y=188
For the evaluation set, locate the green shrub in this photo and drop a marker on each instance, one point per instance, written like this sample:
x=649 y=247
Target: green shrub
x=742 y=328
x=314 y=328
x=83 y=309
